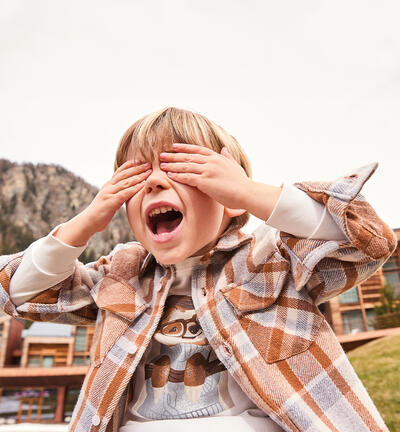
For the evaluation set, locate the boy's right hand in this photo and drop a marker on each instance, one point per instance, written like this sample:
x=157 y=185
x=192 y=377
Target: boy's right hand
x=126 y=181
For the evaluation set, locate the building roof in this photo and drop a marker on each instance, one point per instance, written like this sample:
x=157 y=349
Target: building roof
x=48 y=329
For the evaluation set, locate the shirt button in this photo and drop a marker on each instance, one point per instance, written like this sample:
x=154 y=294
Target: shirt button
x=132 y=349
x=95 y=420
x=203 y=291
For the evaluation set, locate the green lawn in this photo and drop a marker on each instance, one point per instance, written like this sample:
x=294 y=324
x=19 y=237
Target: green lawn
x=377 y=364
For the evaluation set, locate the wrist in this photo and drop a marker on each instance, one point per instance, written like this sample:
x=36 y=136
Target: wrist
x=260 y=199
x=76 y=232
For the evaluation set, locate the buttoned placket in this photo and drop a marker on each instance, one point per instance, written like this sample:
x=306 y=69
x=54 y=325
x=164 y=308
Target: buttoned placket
x=199 y=296
x=198 y=290
x=96 y=420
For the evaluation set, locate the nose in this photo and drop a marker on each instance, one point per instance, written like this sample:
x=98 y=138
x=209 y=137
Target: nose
x=158 y=180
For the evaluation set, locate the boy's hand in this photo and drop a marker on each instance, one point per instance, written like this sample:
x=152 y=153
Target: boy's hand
x=126 y=181
x=217 y=175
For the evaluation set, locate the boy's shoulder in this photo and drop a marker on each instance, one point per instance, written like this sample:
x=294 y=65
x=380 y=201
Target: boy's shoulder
x=122 y=246
x=255 y=246
x=126 y=251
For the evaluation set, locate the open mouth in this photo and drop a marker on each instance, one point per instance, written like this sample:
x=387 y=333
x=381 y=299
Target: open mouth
x=164 y=220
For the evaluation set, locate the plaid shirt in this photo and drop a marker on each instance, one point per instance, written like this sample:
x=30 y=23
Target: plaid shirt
x=256 y=298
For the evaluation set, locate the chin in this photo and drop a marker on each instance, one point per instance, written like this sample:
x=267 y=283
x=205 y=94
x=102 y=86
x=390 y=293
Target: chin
x=168 y=259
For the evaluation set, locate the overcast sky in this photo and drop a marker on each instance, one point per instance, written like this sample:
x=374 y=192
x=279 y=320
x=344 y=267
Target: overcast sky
x=310 y=89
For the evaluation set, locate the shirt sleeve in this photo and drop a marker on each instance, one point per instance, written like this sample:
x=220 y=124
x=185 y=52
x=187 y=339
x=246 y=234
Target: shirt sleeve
x=46 y=262
x=300 y=215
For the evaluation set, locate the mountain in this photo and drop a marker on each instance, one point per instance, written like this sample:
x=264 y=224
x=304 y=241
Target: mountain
x=34 y=198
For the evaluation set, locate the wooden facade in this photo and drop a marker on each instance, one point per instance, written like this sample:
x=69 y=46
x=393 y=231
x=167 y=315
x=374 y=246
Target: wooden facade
x=350 y=314
x=40 y=376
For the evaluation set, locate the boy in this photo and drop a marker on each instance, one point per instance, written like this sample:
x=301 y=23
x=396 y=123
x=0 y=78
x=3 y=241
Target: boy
x=198 y=324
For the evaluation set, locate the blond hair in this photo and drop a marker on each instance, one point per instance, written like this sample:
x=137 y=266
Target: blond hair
x=157 y=132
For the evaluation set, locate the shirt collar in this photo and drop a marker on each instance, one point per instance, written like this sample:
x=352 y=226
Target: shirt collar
x=230 y=239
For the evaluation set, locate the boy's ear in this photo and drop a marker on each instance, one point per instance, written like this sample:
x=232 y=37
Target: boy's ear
x=233 y=212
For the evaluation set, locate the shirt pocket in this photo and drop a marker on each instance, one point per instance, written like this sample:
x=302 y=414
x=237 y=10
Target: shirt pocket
x=119 y=305
x=279 y=321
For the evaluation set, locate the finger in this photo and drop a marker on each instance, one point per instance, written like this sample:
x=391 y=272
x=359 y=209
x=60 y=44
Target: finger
x=192 y=148
x=128 y=193
x=129 y=163
x=129 y=172
x=225 y=152
x=182 y=167
x=183 y=157
x=130 y=181
x=189 y=179
x=125 y=165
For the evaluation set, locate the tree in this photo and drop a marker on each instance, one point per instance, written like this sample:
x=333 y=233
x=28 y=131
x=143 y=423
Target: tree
x=388 y=301
x=387 y=313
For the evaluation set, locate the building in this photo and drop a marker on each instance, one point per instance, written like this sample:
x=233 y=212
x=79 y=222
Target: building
x=350 y=314
x=41 y=369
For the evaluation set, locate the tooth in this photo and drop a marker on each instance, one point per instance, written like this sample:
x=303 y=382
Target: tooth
x=162 y=209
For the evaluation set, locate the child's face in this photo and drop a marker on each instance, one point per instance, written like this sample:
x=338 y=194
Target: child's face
x=171 y=237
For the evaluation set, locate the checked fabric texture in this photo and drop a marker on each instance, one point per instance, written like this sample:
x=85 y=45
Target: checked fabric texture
x=256 y=299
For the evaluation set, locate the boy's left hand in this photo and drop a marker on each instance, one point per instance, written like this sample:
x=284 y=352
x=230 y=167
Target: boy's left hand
x=217 y=175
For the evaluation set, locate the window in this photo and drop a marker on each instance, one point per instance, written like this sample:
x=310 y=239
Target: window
x=28 y=404
x=352 y=321
x=391 y=272
x=80 y=339
x=81 y=360
x=47 y=361
x=350 y=296
x=40 y=361
x=370 y=315
x=391 y=263
x=34 y=361
x=49 y=404
x=392 y=278
x=9 y=403
x=70 y=401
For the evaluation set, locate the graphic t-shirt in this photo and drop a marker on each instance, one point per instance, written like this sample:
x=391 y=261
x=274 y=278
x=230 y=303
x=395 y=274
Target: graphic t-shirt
x=180 y=377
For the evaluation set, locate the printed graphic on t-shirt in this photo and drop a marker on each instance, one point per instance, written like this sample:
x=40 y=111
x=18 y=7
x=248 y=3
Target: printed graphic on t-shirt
x=186 y=379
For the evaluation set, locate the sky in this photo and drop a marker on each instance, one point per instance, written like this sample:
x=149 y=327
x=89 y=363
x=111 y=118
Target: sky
x=310 y=89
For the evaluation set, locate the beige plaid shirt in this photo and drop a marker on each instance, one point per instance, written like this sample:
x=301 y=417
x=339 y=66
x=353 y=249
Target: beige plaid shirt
x=256 y=298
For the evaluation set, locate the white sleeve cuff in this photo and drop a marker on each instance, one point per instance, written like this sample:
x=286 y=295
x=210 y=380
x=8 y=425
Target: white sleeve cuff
x=298 y=214
x=52 y=256
x=45 y=263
